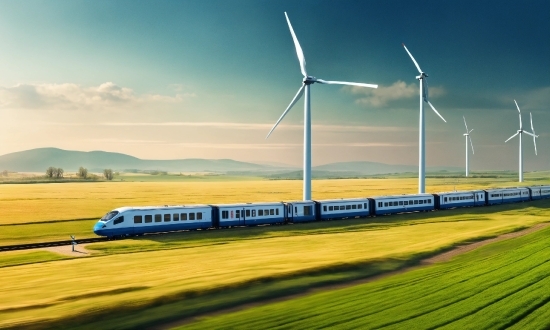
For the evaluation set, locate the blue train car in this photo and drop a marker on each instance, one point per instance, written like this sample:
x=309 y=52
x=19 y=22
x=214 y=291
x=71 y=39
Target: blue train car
x=539 y=192
x=301 y=211
x=249 y=214
x=128 y=221
x=343 y=208
x=454 y=199
x=507 y=195
x=403 y=203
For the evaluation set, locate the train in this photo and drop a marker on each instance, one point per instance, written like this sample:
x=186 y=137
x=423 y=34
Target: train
x=136 y=221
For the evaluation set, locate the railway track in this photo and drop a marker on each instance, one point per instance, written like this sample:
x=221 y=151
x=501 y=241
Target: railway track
x=50 y=244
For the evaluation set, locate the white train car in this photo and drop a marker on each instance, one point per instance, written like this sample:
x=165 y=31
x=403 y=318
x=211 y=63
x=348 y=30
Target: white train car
x=249 y=214
x=128 y=221
x=301 y=211
x=539 y=192
x=403 y=203
x=343 y=208
x=447 y=200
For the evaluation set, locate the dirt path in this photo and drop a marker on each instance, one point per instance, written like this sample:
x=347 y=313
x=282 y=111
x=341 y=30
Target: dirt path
x=79 y=251
x=443 y=257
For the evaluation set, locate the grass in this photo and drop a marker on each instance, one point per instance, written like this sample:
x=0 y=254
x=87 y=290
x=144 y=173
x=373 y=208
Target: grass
x=161 y=276
x=16 y=258
x=503 y=285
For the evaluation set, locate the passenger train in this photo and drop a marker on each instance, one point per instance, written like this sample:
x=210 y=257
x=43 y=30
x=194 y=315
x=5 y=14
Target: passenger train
x=131 y=221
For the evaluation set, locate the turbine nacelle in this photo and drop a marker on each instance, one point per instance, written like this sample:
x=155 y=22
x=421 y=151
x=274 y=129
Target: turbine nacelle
x=309 y=80
x=422 y=76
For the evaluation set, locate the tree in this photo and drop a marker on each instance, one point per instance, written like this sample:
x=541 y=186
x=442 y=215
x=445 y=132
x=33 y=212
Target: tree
x=108 y=174
x=59 y=173
x=82 y=172
x=50 y=172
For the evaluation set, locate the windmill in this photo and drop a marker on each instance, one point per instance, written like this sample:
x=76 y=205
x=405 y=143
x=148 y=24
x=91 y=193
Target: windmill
x=467 y=135
x=422 y=136
x=73 y=243
x=520 y=133
x=304 y=89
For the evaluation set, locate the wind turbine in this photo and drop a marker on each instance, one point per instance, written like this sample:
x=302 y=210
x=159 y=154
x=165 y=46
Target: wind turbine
x=304 y=89
x=467 y=135
x=422 y=135
x=520 y=133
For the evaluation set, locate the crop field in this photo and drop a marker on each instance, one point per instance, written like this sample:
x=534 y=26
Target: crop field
x=504 y=285
x=141 y=282
x=56 y=210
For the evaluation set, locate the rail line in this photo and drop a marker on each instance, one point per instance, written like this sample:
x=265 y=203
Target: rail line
x=50 y=244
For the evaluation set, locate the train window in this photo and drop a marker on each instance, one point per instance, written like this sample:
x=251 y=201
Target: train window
x=266 y=212
x=260 y=213
x=385 y=204
x=176 y=217
x=421 y=201
x=109 y=216
x=400 y=202
x=324 y=208
x=354 y=207
x=148 y=218
x=118 y=220
x=225 y=214
x=184 y=216
x=411 y=202
x=272 y=212
x=416 y=201
x=192 y=216
x=158 y=218
x=247 y=213
x=138 y=219
x=348 y=207
x=295 y=210
x=199 y=215
x=237 y=214
x=359 y=206
x=444 y=199
x=365 y=206
x=307 y=210
x=167 y=217
x=331 y=208
x=253 y=213
x=276 y=211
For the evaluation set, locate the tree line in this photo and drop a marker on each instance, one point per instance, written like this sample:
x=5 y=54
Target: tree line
x=57 y=173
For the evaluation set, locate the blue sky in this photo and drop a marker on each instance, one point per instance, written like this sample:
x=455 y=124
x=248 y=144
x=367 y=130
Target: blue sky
x=192 y=79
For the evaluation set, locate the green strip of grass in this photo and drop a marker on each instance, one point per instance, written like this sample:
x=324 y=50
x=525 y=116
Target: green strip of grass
x=46 y=232
x=16 y=258
x=504 y=284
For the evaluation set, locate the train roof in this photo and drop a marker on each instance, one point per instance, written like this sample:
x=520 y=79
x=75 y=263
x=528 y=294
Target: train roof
x=343 y=200
x=459 y=192
x=402 y=196
x=160 y=207
x=507 y=188
x=251 y=204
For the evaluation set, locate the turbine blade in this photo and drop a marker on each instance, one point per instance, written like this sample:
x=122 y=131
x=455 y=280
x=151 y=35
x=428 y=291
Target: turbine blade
x=469 y=138
x=425 y=89
x=513 y=136
x=465 y=124
x=517 y=106
x=412 y=58
x=440 y=116
x=529 y=133
x=531 y=116
x=294 y=100
x=535 y=143
x=520 y=124
x=328 y=82
x=299 y=51
x=470 y=131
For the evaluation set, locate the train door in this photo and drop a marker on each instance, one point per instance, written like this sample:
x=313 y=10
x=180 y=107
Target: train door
x=240 y=217
x=290 y=212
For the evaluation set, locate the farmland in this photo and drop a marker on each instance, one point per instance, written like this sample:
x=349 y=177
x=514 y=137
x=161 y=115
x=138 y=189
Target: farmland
x=489 y=288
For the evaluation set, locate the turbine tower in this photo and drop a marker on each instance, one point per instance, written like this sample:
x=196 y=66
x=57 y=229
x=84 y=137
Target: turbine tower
x=467 y=135
x=304 y=89
x=520 y=133
x=422 y=136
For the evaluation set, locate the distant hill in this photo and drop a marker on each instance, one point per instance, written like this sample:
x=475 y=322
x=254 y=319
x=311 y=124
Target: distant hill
x=38 y=160
x=372 y=168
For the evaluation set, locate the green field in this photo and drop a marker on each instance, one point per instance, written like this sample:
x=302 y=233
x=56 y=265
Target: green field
x=505 y=285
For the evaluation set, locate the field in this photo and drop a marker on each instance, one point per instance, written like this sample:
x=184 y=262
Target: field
x=489 y=288
x=155 y=279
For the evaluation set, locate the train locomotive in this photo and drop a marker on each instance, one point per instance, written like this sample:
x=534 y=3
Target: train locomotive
x=133 y=221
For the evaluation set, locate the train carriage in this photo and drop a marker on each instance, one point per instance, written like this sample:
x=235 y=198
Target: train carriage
x=403 y=203
x=127 y=221
x=249 y=214
x=447 y=200
x=539 y=192
x=301 y=211
x=343 y=208
x=507 y=195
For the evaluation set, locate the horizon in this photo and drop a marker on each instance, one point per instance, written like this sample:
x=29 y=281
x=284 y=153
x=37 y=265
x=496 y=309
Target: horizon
x=209 y=80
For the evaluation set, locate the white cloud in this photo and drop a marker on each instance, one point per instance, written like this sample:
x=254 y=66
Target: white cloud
x=383 y=95
x=75 y=97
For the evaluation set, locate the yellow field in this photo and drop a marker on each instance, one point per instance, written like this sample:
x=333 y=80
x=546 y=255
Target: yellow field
x=20 y=203
x=67 y=288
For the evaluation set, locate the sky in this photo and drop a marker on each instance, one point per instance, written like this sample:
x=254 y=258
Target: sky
x=208 y=79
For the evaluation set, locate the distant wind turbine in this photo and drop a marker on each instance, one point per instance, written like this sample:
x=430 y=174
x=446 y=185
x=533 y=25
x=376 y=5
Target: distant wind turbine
x=422 y=135
x=520 y=133
x=467 y=135
x=306 y=82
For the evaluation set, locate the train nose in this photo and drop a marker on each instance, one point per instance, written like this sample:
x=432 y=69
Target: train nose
x=98 y=228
